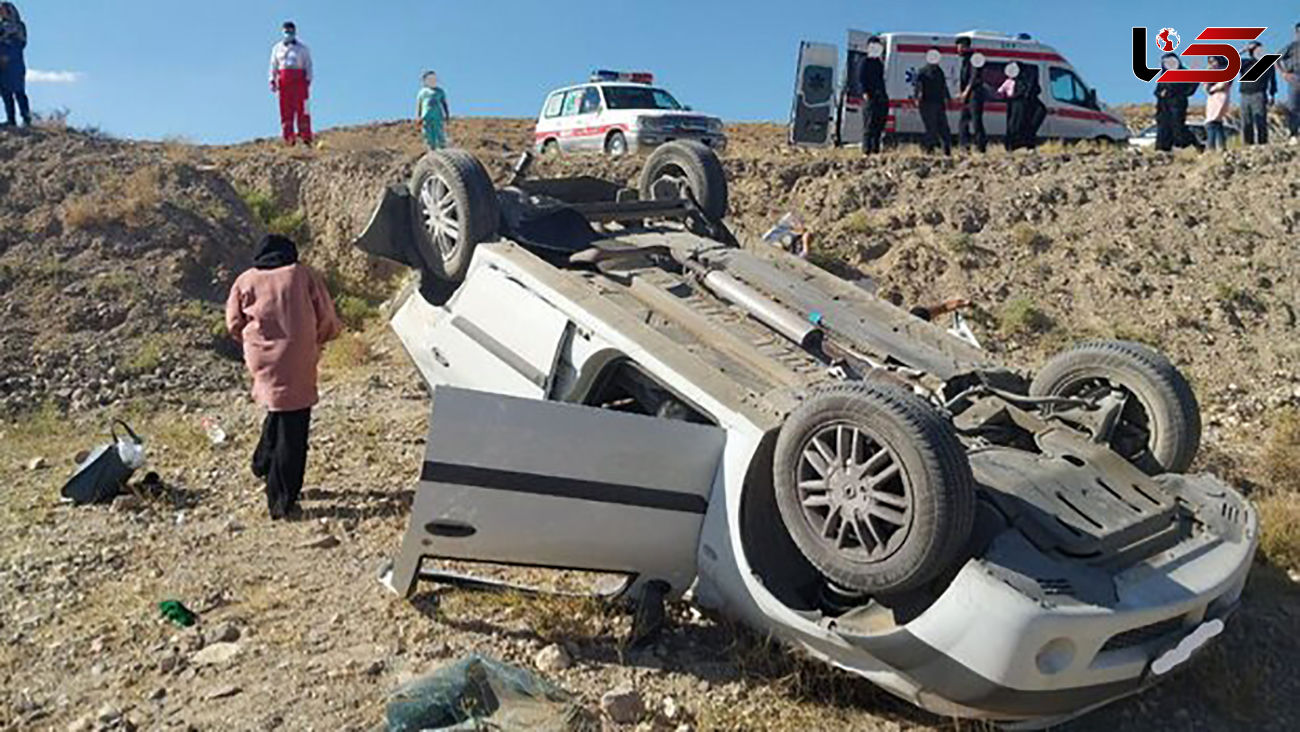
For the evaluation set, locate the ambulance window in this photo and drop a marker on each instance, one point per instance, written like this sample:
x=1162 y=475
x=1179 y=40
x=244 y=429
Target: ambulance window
x=590 y=101
x=816 y=84
x=572 y=101
x=553 y=105
x=1067 y=88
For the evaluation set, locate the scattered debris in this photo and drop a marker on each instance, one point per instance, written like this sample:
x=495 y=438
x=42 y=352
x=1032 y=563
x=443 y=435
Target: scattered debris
x=223 y=633
x=36 y=463
x=624 y=705
x=176 y=612
x=126 y=503
x=478 y=692
x=216 y=435
x=222 y=692
x=327 y=541
x=99 y=478
x=790 y=234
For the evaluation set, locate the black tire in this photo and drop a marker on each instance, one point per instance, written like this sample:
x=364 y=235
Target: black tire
x=551 y=147
x=616 y=144
x=461 y=179
x=1160 y=430
x=925 y=524
x=697 y=166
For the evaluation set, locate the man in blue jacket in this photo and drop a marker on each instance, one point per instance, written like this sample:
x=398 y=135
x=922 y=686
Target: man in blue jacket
x=13 y=68
x=1255 y=98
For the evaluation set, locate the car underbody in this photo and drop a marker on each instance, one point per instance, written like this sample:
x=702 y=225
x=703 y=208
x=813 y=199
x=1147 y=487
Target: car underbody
x=618 y=387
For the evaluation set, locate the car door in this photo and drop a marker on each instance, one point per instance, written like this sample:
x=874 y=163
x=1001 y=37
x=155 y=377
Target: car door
x=812 y=117
x=590 y=114
x=494 y=334
x=571 y=122
x=1071 y=115
x=549 y=484
x=548 y=123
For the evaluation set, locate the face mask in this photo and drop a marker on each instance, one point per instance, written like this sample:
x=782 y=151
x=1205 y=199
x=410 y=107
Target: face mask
x=977 y=60
x=875 y=50
x=289 y=36
x=1012 y=70
x=932 y=57
x=1170 y=63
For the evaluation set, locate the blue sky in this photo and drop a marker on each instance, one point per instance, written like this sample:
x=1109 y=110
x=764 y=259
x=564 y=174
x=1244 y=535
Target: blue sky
x=178 y=68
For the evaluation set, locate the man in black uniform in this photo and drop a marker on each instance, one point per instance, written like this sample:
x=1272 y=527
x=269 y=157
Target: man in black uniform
x=1171 y=109
x=972 y=97
x=1255 y=98
x=875 y=99
x=931 y=92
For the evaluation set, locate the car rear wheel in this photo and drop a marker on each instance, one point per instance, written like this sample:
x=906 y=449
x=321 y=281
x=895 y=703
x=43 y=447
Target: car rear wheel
x=456 y=207
x=616 y=145
x=694 y=167
x=551 y=147
x=874 y=488
x=1159 y=425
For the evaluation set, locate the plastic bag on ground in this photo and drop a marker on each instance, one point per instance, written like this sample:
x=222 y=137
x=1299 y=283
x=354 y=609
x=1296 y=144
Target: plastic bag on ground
x=478 y=693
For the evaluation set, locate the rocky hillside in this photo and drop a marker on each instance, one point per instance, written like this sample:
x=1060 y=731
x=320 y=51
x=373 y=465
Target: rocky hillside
x=114 y=260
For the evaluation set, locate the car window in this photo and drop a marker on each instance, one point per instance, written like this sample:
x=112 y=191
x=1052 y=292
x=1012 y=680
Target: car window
x=572 y=102
x=1067 y=88
x=639 y=97
x=590 y=101
x=553 y=105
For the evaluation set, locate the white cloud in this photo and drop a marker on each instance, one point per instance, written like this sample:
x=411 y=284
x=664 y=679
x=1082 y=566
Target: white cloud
x=36 y=76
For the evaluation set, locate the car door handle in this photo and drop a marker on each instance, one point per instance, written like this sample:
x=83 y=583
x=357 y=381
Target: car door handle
x=441 y=359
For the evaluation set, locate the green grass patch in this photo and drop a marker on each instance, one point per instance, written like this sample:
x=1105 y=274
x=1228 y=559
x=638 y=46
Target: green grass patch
x=1020 y=316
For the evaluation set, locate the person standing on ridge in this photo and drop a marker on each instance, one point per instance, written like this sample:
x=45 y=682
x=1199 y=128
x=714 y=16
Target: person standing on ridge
x=291 y=77
x=972 y=97
x=282 y=315
x=1290 y=65
x=1217 y=105
x=931 y=92
x=432 y=112
x=1256 y=96
x=1171 y=109
x=875 y=98
x=13 y=68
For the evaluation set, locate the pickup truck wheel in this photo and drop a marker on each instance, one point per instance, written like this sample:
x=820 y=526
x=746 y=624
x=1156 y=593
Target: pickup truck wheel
x=874 y=487
x=456 y=207
x=696 y=167
x=1159 y=427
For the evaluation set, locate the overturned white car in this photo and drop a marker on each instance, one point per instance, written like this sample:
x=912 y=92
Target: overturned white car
x=619 y=388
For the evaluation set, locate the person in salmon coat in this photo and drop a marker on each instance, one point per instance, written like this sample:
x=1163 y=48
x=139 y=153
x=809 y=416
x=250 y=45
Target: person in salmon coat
x=281 y=313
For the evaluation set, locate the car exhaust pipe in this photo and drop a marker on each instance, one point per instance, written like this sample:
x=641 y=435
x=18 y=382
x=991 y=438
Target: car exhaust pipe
x=763 y=309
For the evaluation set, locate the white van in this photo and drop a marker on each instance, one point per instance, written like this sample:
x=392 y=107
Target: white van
x=827 y=114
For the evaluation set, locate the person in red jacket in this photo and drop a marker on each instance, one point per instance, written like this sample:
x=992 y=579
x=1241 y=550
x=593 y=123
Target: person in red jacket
x=282 y=315
x=291 y=76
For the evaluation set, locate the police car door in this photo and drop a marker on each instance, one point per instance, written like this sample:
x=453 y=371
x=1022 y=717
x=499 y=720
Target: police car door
x=1071 y=112
x=548 y=484
x=812 y=118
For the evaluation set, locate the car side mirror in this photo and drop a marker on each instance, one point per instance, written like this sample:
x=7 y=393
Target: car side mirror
x=1092 y=98
x=688 y=108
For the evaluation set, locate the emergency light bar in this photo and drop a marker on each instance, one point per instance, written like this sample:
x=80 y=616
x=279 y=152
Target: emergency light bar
x=635 y=77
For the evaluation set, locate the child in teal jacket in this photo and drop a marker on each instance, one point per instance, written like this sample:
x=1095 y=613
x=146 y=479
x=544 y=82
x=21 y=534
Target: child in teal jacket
x=432 y=112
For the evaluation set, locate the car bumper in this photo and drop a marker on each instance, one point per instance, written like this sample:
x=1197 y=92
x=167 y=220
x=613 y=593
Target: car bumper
x=648 y=140
x=988 y=649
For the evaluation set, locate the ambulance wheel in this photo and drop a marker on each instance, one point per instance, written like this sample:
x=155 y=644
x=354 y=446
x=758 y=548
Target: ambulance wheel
x=1159 y=425
x=695 y=167
x=551 y=147
x=874 y=488
x=456 y=210
x=616 y=144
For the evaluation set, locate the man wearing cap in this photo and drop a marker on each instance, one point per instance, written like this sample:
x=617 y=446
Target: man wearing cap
x=1255 y=97
x=931 y=93
x=291 y=76
x=1290 y=65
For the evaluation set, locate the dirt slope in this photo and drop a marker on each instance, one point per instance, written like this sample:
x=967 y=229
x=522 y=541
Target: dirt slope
x=114 y=257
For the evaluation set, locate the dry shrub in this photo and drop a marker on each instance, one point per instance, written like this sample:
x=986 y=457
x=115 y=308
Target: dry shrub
x=1026 y=236
x=1021 y=316
x=1281 y=456
x=348 y=353
x=1279 y=540
x=128 y=201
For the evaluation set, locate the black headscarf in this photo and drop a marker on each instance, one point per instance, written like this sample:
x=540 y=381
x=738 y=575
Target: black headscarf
x=275 y=251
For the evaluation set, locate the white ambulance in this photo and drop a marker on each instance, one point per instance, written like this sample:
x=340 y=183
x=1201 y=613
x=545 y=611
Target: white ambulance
x=827 y=113
x=617 y=113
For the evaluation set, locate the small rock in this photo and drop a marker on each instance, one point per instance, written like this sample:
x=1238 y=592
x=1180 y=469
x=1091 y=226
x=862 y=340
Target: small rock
x=126 y=503
x=169 y=662
x=224 y=633
x=36 y=463
x=82 y=724
x=158 y=694
x=233 y=526
x=672 y=710
x=323 y=542
x=552 y=658
x=108 y=714
x=216 y=654
x=374 y=669
x=623 y=705
x=222 y=692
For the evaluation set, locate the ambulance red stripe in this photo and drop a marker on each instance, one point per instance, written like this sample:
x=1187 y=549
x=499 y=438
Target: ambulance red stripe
x=988 y=52
x=580 y=131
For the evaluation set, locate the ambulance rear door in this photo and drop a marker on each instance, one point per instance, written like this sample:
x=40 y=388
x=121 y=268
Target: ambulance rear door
x=812 y=118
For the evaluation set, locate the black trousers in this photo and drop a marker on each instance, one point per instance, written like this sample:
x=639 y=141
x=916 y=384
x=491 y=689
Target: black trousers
x=972 y=114
x=20 y=97
x=874 y=112
x=281 y=458
x=1254 y=119
x=935 y=119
